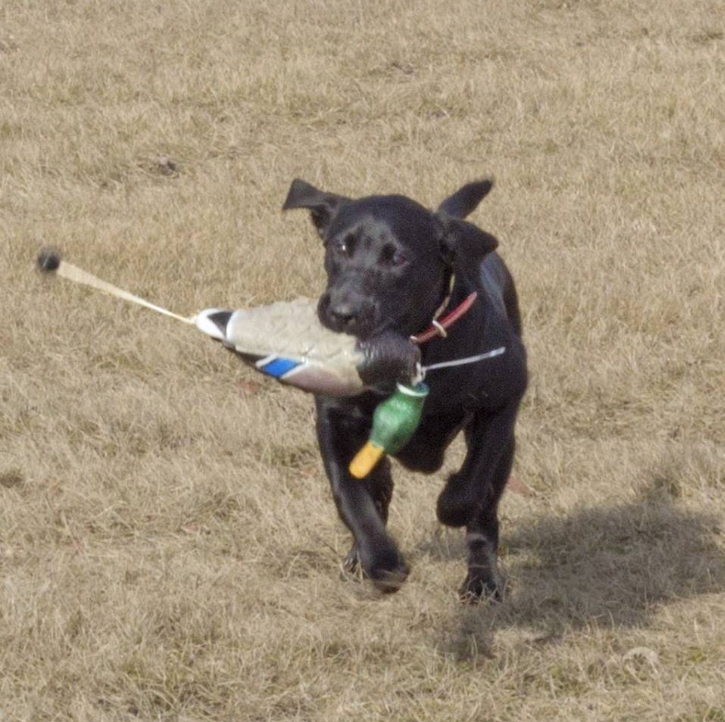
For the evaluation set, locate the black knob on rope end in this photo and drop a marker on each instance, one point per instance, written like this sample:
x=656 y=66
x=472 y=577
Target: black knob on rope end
x=48 y=260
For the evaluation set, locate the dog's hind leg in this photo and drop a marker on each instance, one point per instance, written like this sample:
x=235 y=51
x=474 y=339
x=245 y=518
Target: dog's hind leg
x=489 y=437
x=483 y=578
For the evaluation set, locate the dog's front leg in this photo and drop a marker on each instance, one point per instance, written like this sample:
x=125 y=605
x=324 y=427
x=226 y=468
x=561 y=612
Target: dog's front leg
x=470 y=498
x=361 y=504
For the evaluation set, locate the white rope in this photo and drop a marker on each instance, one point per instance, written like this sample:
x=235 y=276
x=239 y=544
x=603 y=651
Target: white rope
x=73 y=273
x=463 y=361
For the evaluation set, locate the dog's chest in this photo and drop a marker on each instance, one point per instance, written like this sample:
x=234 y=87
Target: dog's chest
x=480 y=383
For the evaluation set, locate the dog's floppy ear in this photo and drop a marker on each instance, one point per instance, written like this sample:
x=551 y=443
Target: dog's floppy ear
x=463 y=244
x=322 y=206
x=466 y=200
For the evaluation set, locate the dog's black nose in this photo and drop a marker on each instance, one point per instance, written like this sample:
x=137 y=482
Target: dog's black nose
x=346 y=312
x=343 y=315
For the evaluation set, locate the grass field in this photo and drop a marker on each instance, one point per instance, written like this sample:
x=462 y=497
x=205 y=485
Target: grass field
x=169 y=548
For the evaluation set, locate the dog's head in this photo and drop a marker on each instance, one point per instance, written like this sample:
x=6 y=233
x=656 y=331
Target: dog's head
x=388 y=259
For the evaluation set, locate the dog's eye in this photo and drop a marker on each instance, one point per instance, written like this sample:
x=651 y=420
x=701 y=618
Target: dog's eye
x=393 y=256
x=399 y=258
x=343 y=245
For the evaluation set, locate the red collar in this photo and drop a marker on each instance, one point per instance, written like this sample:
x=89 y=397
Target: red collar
x=439 y=325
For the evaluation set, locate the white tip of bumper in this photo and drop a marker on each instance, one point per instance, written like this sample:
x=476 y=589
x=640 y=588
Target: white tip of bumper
x=210 y=326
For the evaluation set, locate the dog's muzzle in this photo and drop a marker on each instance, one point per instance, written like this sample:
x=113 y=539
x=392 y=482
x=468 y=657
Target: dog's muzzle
x=346 y=311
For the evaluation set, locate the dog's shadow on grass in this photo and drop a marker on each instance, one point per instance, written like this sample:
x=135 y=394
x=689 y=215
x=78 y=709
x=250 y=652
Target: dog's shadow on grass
x=607 y=566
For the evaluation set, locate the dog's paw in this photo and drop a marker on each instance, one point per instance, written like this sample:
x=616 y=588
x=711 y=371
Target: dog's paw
x=386 y=569
x=389 y=581
x=479 y=587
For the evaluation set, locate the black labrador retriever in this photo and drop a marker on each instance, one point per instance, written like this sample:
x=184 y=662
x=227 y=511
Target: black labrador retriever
x=392 y=265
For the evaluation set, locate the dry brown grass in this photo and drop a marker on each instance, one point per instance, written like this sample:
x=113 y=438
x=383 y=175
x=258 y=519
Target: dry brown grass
x=168 y=547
